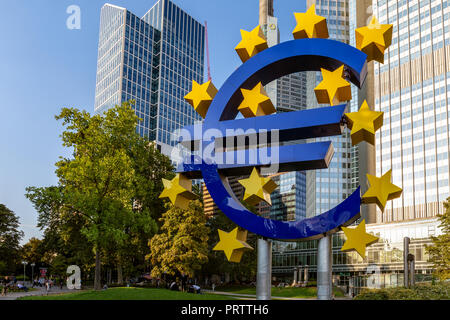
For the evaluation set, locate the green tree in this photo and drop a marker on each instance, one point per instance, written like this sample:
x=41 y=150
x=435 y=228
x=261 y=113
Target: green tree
x=63 y=240
x=107 y=196
x=10 y=237
x=98 y=180
x=217 y=261
x=32 y=251
x=150 y=166
x=182 y=246
x=440 y=250
x=62 y=224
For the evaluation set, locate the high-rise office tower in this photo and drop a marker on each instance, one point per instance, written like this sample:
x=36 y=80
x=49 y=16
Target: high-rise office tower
x=412 y=89
x=210 y=208
x=153 y=61
x=289 y=199
x=287 y=94
x=328 y=187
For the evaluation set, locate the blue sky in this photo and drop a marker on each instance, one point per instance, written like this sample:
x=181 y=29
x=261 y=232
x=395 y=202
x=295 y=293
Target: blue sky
x=45 y=66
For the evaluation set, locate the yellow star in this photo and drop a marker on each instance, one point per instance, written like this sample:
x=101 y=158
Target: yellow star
x=252 y=43
x=374 y=39
x=364 y=124
x=256 y=102
x=201 y=96
x=233 y=244
x=381 y=190
x=310 y=25
x=258 y=188
x=358 y=239
x=333 y=89
x=179 y=191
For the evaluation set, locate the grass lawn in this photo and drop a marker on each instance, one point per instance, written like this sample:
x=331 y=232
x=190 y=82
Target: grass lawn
x=129 y=294
x=308 y=292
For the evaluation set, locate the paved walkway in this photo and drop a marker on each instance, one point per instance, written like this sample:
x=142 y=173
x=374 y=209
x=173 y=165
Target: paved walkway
x=253 y=297
x=38 y=292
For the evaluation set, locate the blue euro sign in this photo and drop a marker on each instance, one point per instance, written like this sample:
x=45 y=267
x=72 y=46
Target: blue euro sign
x=271 y=64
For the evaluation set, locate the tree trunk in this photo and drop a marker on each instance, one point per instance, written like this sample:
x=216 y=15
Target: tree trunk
x=119 y=274
x=97 y=279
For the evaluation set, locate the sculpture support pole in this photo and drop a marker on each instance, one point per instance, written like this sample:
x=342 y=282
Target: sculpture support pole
x=306 y=276
x=264 y=272
x=406 y=241
x=295 y=276
x=412 y=273
x=324 y=278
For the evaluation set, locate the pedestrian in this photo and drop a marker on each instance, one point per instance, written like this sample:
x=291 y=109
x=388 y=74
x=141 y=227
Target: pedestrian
x=61 y=283
x=5 y=286
x=183 y=282
x=47 y=286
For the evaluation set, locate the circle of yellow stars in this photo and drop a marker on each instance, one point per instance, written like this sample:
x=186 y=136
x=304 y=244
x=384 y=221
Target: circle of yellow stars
x=373 y=40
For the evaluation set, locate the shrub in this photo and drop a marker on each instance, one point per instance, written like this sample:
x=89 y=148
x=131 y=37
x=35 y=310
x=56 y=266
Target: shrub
x=438 y=291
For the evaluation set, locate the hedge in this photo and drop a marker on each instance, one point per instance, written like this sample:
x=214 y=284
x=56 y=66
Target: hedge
x=438 y=291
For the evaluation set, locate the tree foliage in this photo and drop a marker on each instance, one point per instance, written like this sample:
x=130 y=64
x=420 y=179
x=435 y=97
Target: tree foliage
x=32 y=251
x=182 y=245
x=107 y=192
x=440 y=250
x=63 y=240
x=217 y=261
x=10 y=237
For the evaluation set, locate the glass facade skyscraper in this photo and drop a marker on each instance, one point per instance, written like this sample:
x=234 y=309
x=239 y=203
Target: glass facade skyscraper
x=287 y=94
x=328 y=187
x=412 y=88
x=289 y=199
x=153 y=61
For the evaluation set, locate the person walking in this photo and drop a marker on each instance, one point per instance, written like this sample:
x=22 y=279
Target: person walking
x=183 y=282
x=5 y=287
x=47 y=286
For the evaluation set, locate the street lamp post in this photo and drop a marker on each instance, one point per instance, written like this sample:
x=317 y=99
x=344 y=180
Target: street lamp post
x=24 y=265
x=32 y=273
